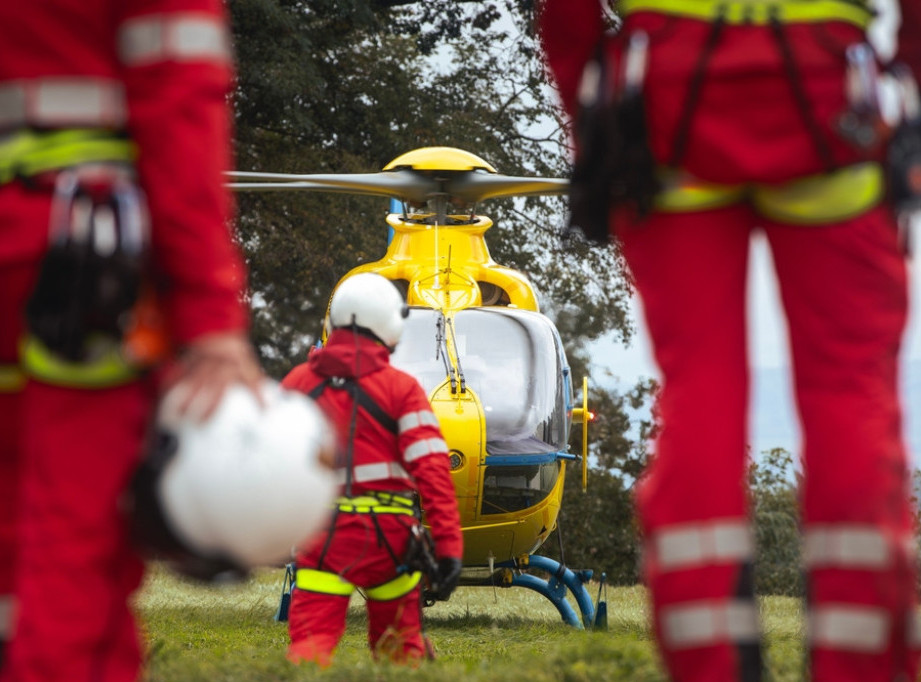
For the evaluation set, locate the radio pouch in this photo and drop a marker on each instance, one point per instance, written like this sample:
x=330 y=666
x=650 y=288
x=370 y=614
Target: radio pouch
x=91 y=276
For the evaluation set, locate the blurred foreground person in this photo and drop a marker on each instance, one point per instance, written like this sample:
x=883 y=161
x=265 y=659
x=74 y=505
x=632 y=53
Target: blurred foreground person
x=394 y=451
x=699 y=122
x=108 y=109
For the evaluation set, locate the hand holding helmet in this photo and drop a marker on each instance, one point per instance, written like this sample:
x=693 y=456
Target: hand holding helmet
x=238 y=490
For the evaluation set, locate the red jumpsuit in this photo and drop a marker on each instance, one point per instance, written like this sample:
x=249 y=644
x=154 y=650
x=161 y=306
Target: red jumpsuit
x=843 y=287
x=411 y=458
x=159 y=70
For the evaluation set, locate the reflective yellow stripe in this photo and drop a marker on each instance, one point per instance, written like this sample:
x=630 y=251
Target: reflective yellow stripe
x=323 y=582
x=367 y=503
x=814 y=200
x=756 y=11
x=108 y=369
x=396 y=588
x=12 y=378
x=682 y=192
x=826 y=198
x=28 y=153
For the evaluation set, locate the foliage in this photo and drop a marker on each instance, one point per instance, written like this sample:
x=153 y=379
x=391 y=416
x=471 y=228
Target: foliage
x=597 y=528
x=348 y=85
x=774 y=503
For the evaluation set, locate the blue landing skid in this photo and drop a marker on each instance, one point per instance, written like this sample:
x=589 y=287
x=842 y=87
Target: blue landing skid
x=554 y=588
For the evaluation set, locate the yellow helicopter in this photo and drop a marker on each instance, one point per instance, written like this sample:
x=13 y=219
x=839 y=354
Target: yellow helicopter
x=492 y=364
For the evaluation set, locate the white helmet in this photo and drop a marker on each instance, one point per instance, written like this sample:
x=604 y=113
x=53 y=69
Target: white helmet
x=239 y=490
x=372 y=302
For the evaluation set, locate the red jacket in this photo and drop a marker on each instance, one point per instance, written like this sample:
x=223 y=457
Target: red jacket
x=571 y=28
x=414 y=458
x=160 y=69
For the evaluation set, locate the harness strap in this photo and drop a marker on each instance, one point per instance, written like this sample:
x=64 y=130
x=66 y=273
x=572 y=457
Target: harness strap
x=368 y=504
x=757 y=11
x=323 y=582
x=813 y=200
x=365 y=401
x=27 y=153
x=107 y=370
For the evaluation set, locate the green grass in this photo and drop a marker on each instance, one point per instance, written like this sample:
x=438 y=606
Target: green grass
x=228 y=634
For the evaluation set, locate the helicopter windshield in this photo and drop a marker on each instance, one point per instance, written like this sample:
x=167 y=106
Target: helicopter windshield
x=420 y=351
x=511 y=358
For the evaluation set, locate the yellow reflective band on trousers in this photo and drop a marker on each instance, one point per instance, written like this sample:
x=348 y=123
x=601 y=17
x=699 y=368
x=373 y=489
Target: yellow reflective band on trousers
x=12 y=379
x=826 y=198
x=396 y=588
x=757 y=11
x=814 y=200
x=323 y=582
x=365 y=504
x=108 y=370
x=27 y=153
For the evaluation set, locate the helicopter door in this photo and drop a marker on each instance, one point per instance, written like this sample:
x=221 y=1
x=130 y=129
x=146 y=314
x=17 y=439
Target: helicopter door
x=513 y=360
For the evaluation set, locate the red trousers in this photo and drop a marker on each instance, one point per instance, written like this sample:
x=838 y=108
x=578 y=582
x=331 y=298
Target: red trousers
x=317 y=621
x=843 y=289
x=74 y=450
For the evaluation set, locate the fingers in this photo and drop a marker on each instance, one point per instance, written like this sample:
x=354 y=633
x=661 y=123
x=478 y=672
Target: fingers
x=209 y=366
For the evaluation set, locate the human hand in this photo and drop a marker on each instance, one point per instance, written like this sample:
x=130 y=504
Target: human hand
x=210 y=364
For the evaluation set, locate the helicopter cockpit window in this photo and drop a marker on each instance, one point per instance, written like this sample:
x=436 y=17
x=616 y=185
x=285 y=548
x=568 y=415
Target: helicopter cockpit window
x=416 y=353
x=511 y=358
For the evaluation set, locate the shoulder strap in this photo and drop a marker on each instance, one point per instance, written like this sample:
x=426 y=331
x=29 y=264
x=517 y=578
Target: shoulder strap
x=365 y=401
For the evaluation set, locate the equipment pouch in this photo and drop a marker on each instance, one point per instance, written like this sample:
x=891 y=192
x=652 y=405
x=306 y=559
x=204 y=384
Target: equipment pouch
x=613 y=165
x=904 y=153
x=420 y=556
x=91 y=276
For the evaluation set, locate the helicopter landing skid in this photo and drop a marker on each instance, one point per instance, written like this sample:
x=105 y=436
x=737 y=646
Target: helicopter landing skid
x=554 y=588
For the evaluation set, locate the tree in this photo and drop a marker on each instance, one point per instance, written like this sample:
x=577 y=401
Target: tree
x=347 y=86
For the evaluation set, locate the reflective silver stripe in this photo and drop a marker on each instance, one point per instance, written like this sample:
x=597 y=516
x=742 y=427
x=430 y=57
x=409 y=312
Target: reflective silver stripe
x=55 y=102
x=379 y=471
x=422 y=448
x=692 y=545
x=414 y=420
x=849 y=627
x=705 y=623
x=178 y=37
x=845 y=547
x=914 y=629
x=6 y=616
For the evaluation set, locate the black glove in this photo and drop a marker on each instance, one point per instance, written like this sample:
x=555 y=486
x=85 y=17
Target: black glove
x=449 y=570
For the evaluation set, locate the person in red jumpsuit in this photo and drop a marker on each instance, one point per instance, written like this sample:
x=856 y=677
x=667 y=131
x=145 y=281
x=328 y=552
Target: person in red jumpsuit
x=139 y=86
x=747 y=118
x=394 y=450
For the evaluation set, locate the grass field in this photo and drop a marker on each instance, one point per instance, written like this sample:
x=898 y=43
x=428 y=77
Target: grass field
x=228 y=634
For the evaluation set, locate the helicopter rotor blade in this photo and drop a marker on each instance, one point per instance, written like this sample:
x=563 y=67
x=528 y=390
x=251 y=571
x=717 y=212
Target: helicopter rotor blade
x=477 y=186
x=404 y=184
x=407 y=185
